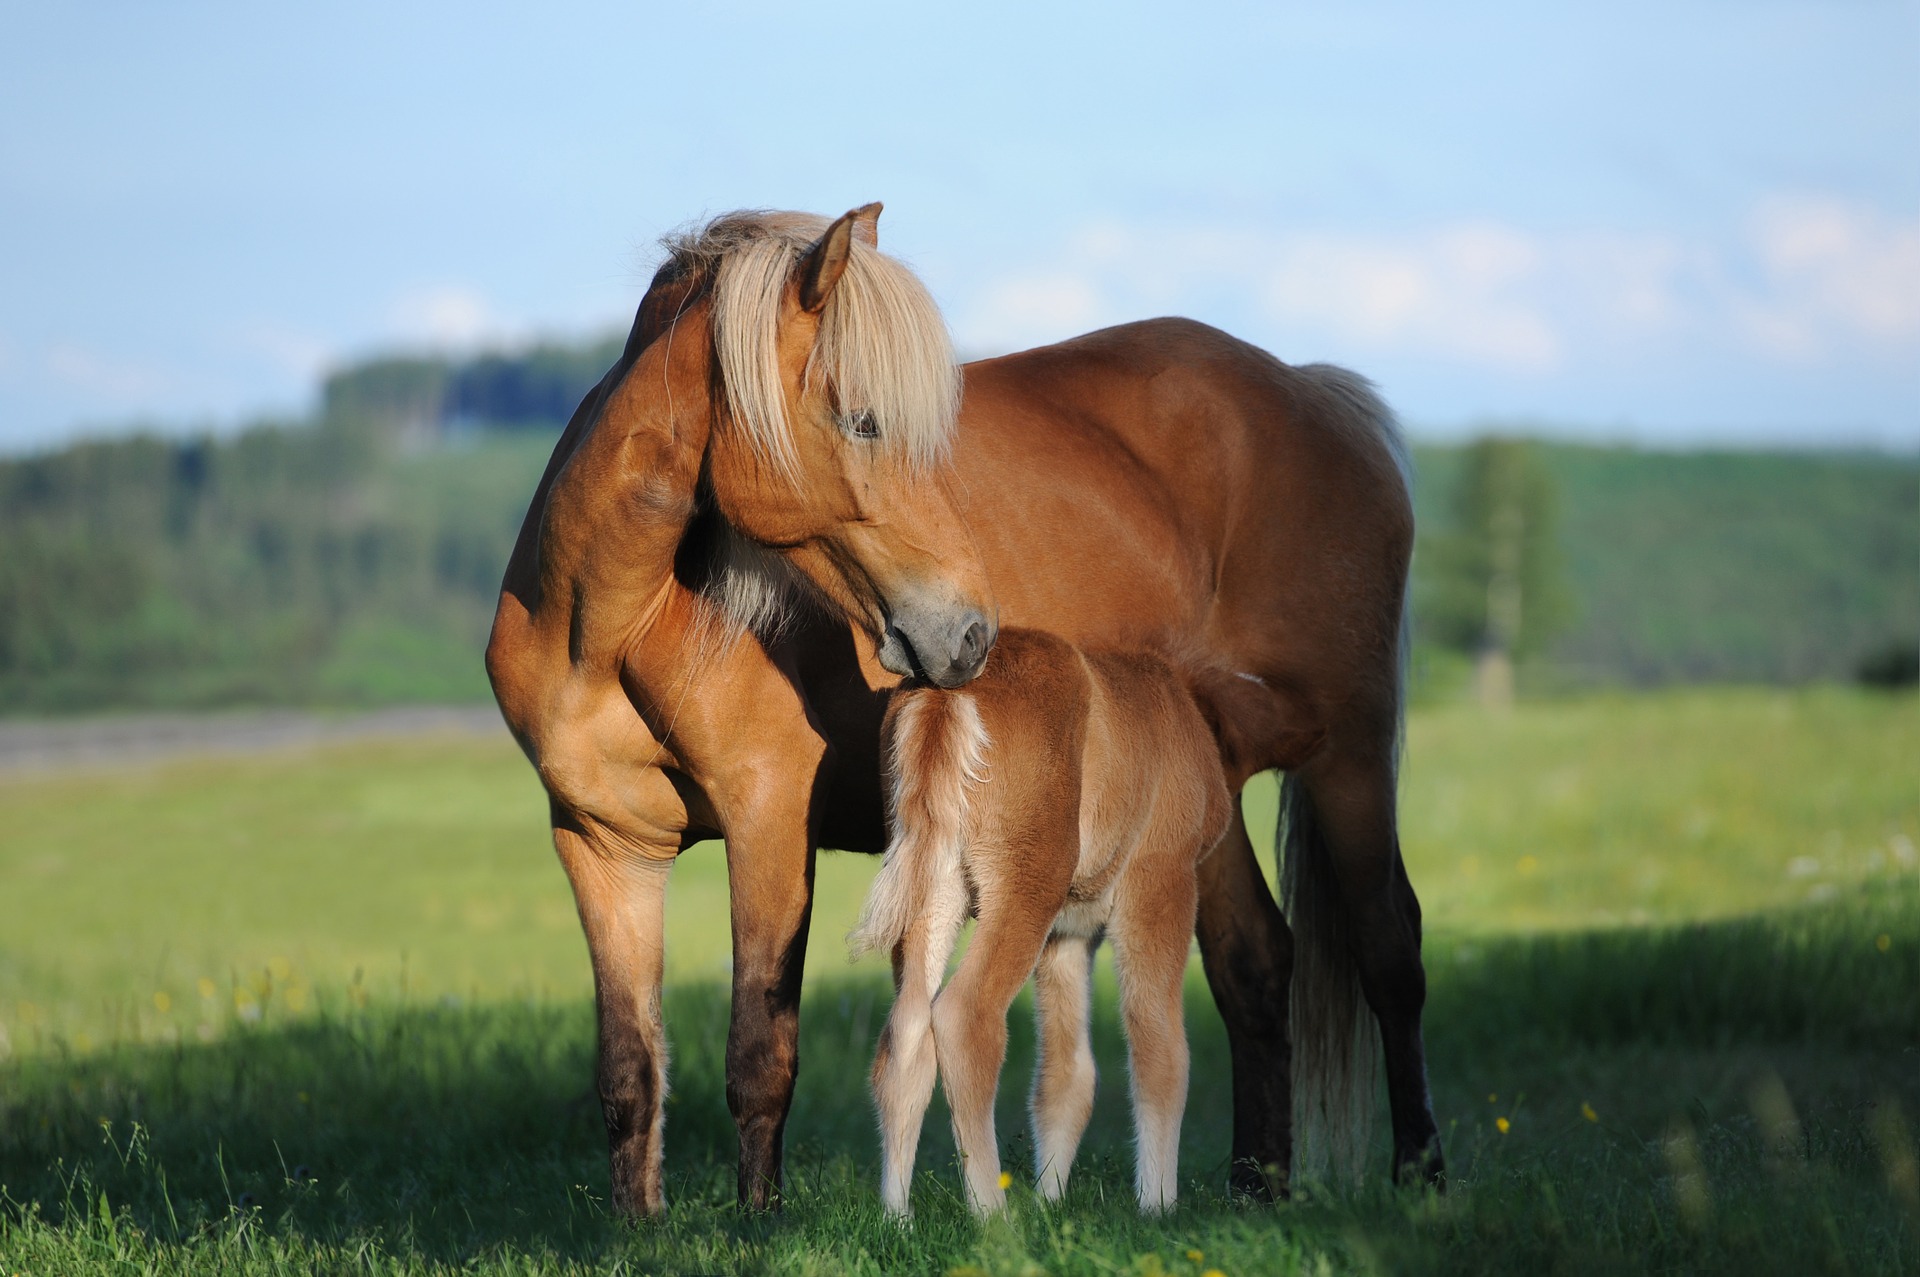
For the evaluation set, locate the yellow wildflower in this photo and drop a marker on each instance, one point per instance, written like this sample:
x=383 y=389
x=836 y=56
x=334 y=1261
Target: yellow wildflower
x=1006 y=1181
x=1586 y=1111
x=1503 y=1124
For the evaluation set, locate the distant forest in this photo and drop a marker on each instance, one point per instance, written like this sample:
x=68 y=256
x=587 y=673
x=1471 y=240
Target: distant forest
x=353 y=558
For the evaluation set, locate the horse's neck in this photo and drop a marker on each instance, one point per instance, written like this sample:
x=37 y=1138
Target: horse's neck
x=622 y=501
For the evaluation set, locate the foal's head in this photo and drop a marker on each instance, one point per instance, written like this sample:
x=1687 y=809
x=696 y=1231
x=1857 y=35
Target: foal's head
x=837 y=397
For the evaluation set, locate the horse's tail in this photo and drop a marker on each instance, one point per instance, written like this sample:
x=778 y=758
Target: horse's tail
x=1336 y=1040
x=936 y=754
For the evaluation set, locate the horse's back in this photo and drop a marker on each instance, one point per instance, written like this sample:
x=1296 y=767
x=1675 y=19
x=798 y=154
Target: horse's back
x=1163 y=484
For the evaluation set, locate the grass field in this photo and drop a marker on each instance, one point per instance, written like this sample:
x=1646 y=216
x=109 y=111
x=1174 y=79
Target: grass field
x=328 y=1011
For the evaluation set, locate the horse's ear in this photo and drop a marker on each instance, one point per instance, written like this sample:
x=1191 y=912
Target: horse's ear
x=826 y=261
x=866 y=223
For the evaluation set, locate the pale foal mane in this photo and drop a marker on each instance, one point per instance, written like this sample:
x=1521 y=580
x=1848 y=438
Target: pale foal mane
x=883 y=344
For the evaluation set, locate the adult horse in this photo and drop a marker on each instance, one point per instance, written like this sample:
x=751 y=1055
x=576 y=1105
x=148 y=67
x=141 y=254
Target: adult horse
x=765 y=514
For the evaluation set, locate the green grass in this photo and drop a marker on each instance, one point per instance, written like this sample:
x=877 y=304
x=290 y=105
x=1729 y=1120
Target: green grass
x=328 y=1011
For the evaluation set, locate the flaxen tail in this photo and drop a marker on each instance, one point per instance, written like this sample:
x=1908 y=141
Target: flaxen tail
x=1336 y=1039
x=936 y=755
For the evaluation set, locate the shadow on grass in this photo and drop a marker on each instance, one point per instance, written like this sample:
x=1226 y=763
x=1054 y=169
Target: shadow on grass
x=447 y=1133
x=1843 y=973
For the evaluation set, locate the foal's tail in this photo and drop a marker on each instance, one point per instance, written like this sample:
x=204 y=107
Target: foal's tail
x=936 y=755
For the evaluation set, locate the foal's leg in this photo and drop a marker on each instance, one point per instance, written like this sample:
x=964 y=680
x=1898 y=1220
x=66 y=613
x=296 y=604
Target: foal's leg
x=1151 y=929
x=1352 y=798
x=903 y=1067
x=621 y=897
x=1063 y=1072
x=970 y=1028
x=1247 y=952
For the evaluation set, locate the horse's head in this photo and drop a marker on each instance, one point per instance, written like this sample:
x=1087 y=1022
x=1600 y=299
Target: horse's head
x=837 y=395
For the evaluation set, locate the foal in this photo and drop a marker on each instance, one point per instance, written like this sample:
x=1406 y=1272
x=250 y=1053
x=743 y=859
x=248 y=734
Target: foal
x=1059 y=795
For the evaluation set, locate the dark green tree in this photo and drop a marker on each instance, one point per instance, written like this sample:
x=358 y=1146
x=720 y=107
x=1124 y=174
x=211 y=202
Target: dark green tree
x=1495 y=580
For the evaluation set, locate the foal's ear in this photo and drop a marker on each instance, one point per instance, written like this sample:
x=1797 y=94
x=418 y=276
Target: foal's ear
x=826 y=261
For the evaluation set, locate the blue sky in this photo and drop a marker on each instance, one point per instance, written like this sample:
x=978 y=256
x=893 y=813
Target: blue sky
x=1685 y=222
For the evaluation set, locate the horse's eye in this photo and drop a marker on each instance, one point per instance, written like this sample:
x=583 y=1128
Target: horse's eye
x=861 y=425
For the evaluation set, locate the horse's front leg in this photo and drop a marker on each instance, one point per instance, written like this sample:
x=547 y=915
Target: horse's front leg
x=621 y=893
x=770 y=877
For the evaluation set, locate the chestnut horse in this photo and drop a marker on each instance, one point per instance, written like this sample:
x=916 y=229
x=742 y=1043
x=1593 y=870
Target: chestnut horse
x=1059 y=796
x=766 y=513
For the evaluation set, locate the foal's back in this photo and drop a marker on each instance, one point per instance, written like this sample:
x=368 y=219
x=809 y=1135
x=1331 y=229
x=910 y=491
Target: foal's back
x=1104 y=749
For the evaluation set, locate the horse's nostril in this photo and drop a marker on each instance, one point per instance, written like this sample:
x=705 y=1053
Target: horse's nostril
x=973 y=644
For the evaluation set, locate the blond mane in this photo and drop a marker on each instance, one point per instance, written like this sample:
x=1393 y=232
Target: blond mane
x=883 y=345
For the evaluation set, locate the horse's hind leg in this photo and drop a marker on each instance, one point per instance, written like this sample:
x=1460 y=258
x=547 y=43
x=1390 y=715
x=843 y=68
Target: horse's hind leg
x=1247 y=952
x=1063 y=1072
x=1351 y=799
x=1151 y=929
x=621 y=897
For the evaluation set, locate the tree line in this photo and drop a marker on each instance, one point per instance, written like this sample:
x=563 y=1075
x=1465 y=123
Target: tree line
x=354 y=557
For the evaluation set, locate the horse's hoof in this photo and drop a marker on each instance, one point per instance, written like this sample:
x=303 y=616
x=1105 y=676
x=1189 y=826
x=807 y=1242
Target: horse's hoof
x=1256 y=1182
x=1424 y=1168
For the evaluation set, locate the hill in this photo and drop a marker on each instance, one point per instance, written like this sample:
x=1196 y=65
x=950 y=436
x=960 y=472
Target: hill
x=1721 y=566
x=354 y=558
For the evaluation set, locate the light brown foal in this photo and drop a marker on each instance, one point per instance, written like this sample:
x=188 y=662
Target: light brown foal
x=1059 y=795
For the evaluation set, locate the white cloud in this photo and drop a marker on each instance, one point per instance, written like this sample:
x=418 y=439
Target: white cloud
x=449 y=315
x=1461 y=290
x=1025 y=309
x=122 y=383
x=1834 y=275
x=299 y=354
x=1814 y=278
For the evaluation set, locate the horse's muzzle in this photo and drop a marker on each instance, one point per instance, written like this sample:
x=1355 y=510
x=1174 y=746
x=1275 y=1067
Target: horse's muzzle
x=945 y=651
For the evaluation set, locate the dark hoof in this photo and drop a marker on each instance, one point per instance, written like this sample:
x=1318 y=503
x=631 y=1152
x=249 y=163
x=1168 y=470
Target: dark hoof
x=758 y=1197
x=1256 y=1182
x=636 y=1206
x=1422 y=1168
